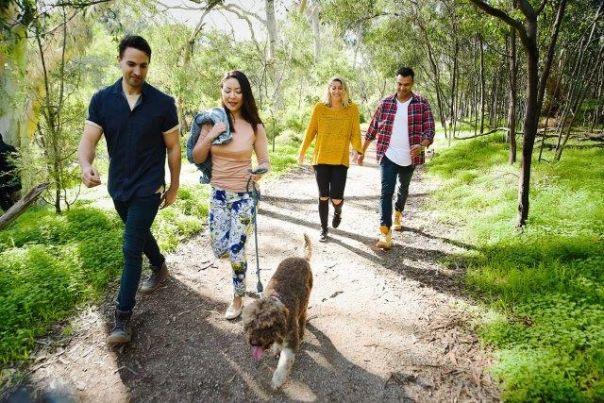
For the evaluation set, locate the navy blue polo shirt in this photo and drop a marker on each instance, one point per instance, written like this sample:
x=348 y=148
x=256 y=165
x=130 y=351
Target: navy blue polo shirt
x=137 y=152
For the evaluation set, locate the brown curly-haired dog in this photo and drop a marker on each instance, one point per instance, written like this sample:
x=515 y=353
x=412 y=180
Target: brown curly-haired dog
x=278 y=319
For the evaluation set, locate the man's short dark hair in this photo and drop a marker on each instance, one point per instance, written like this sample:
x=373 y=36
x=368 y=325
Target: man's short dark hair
x=136 y=42
x=406 y=72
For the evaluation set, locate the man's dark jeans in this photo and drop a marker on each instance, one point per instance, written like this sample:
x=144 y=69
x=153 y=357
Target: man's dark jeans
x=390 y=171
x=138 y=215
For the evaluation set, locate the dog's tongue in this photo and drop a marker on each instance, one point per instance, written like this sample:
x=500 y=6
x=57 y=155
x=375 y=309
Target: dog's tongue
x=257 y=352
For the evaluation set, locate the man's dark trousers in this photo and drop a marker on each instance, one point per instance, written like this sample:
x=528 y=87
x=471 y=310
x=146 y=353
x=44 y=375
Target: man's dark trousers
x=390 y=171
x=138 y=215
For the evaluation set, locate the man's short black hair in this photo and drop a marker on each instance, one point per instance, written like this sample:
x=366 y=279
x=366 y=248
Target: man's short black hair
x=136 y=42
x=406 y=72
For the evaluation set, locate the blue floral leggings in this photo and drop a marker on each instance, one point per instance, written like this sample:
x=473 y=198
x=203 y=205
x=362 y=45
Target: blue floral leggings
x=231 y=220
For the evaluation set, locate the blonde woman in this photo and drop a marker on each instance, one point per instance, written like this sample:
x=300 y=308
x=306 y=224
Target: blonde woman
x=334 y=127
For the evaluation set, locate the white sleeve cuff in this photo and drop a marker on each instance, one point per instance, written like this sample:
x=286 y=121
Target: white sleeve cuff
x=172 y=129
x=91 y=123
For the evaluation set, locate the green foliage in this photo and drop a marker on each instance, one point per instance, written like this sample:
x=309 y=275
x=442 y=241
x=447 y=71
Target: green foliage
x=548 y=280
x=49 y=263
x=284 y=156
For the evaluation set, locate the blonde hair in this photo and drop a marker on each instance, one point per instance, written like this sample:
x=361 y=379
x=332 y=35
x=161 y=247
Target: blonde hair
x=345 y=93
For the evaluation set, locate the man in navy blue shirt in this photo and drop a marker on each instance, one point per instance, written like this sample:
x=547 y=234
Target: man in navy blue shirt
x=140 y=125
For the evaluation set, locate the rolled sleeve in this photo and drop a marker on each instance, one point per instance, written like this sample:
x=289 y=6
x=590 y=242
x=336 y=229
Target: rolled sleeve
x=170 y=122
x=95 y=117
x=428 y=118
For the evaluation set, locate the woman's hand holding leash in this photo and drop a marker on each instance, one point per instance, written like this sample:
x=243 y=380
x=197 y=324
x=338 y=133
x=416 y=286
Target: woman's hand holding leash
x=256 y=174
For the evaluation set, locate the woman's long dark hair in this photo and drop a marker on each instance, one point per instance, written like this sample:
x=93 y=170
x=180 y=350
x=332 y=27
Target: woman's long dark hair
x=249 y=110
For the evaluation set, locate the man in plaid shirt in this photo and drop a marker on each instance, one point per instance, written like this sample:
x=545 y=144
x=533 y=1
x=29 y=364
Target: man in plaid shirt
x=404 y=127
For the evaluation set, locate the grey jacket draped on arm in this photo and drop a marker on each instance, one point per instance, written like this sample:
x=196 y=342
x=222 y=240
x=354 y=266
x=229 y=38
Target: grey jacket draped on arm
x=212 y=116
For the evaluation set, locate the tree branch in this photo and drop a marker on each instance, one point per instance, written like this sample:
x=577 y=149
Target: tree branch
x=239 y=12
x=527 y=9
x=502 y=15
x=80 y=4
x=550 y=51
x=541 y=6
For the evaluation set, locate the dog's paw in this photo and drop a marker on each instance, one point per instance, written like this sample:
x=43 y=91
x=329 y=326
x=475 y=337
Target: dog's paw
x=278 y=379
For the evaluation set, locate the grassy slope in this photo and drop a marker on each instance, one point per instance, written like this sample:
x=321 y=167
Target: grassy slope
x=548 y=282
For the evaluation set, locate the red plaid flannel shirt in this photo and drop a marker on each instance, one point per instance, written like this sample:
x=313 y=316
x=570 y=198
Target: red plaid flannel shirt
x=421 y=125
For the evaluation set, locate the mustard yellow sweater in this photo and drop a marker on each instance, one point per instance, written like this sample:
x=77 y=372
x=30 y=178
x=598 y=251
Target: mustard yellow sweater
x=335 y=130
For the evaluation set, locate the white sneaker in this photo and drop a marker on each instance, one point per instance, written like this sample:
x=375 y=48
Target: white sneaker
x=232 y=312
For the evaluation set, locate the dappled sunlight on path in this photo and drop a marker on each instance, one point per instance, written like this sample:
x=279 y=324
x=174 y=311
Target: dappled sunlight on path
x=382 y=326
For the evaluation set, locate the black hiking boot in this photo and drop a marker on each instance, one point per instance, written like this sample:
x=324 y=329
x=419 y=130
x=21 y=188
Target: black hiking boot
x=156 y=278
x=120 y=334
x=336 y=220
x=323 y=236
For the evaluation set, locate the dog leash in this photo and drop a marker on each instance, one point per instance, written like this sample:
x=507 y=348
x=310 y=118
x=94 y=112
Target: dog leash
x=256 y=196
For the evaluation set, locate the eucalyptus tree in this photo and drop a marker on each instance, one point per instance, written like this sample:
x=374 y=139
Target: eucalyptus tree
x=527 y=27
x=17 y=17
x=43 y=37
x=54 y=96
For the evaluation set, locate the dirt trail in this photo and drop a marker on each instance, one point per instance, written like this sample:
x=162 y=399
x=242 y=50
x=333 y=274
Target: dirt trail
x=383 y=326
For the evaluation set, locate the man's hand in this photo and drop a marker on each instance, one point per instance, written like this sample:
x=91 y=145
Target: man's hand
x=417 y=150
x=91 y=177
x=168 y=197
x=301 y=159
x=360 y=158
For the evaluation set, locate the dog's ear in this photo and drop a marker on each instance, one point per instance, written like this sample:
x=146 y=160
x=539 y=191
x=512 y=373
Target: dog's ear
x=249 y=314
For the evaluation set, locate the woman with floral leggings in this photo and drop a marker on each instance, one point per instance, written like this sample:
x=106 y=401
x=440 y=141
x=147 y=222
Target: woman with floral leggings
x=231 y=205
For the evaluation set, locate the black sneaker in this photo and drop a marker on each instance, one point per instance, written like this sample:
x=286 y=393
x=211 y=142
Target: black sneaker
x=337 y=219
x=323 y=236
x=156 y=278
x=120 y=334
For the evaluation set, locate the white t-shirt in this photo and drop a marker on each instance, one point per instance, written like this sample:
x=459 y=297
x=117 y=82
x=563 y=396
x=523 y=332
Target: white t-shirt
x=132 y=100
x=399 y=150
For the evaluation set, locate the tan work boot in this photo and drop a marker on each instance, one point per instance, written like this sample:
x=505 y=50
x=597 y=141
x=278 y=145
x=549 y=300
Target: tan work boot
x=398 y=218
x=385 y=241
x=121 y=333
x=156 y=279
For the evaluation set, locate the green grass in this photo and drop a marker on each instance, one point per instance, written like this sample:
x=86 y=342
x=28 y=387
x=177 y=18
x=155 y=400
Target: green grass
x=50 y=264
x=547 y=281
x=284 y=156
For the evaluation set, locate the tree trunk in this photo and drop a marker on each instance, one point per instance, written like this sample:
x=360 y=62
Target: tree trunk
x=513 y=71
x=315 y=23
x=435 y=72
x=494 y=100
x=271 y=26
x=531 y=120
x=482 y=82
x=22 y=205
x=453 y=112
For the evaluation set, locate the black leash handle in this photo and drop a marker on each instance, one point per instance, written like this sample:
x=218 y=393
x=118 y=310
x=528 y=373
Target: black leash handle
x=256 y=196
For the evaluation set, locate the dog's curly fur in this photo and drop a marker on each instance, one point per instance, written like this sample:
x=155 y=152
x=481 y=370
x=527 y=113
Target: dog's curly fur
x=278 y=319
